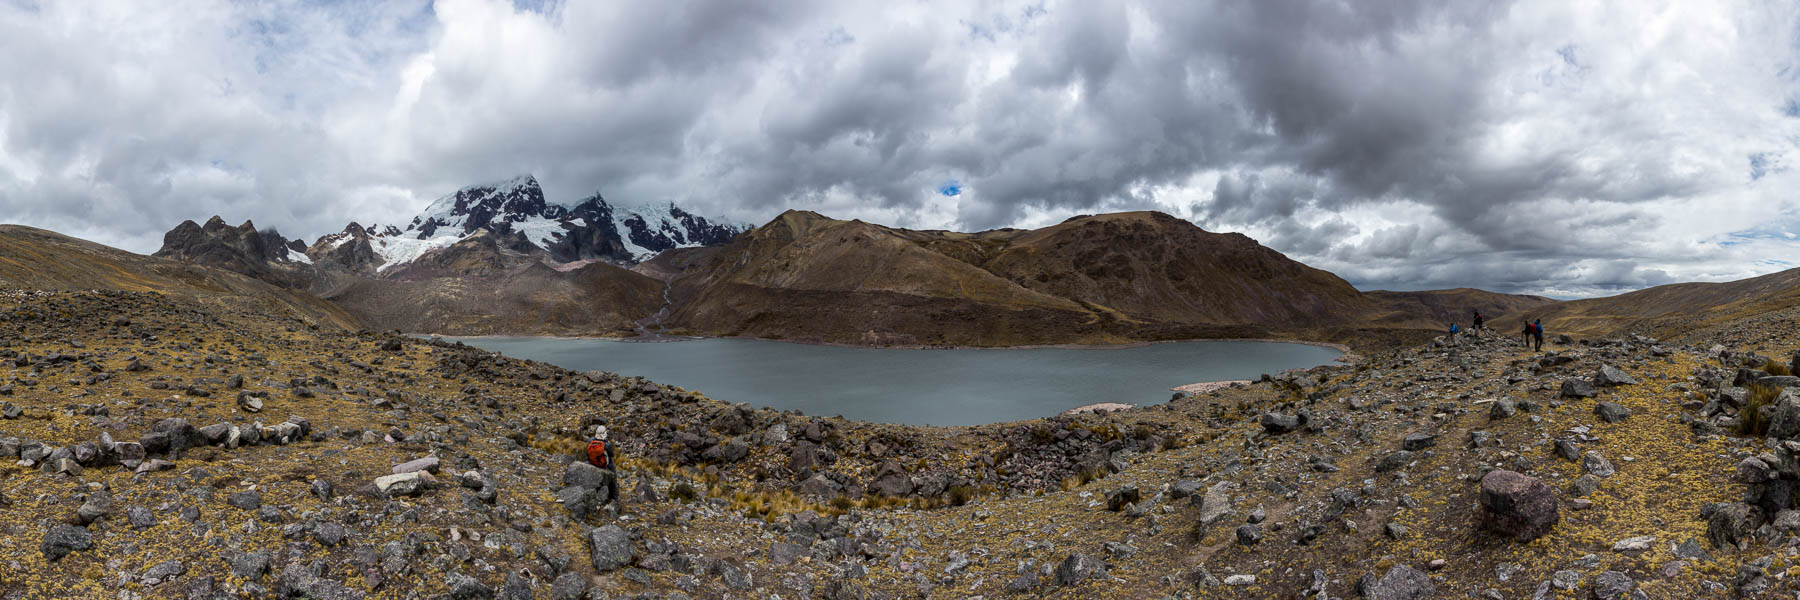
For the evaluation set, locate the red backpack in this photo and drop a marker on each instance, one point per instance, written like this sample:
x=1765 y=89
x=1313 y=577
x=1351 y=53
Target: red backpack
x=596 y=452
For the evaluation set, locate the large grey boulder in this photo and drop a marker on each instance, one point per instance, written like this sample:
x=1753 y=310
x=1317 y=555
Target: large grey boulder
x=1517 y=505
x=63 y=539
x=611 y=547
x=581 y=474
x=1215 y=506
x=1729 y=524
x=1784 y=416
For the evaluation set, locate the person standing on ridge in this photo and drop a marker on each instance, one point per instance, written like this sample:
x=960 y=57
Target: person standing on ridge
x=600 y=454
x=1478 y=320
x=1453 y=331
x=1537 y=334
x=1525 y=335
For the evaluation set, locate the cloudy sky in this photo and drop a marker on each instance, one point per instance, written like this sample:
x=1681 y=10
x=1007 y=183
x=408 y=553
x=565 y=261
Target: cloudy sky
x=1552 y=147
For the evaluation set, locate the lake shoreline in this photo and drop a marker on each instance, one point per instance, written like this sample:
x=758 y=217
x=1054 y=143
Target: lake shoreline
x=1346 y=355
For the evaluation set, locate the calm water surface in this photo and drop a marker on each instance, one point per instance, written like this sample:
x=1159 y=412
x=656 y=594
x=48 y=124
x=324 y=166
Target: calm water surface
x=921 y=387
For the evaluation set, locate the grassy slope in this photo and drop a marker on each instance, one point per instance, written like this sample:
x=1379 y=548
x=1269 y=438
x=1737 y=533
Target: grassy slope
x=33 y=258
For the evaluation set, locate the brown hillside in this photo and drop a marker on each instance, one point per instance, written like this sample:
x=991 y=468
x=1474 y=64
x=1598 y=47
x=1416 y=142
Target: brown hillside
x=1669 y=310
x=1096 y=279
x=33 y=258
x=482 y=287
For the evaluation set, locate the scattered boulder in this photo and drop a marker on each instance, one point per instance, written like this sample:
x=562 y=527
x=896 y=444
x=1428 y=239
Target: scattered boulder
x=611 y=547
x=403 y=484
x=1731 y=523
x=1517 y=505
x=1278 y=423
x=1576 y=387
x=1595 y=464
x=64 y=539
x=1613 y=585
x=1609 y=376
x=1401 y=583
x=1612 y=412
x=1077 y=568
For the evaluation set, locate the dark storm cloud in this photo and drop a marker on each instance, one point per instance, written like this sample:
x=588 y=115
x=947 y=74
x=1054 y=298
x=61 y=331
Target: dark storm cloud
x=1529 y=146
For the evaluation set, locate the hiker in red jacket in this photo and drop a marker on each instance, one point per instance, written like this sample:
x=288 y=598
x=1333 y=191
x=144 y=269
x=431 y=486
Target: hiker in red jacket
x=600 y=453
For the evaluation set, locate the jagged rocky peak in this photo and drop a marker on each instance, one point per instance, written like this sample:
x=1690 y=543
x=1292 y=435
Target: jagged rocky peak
x=219 y=243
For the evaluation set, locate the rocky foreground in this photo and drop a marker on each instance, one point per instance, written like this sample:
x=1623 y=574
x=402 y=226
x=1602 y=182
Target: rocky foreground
x=157 y=449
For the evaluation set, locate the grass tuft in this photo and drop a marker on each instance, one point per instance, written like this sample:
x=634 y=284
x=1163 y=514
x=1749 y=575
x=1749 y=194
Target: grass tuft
x=1777 y=368
x=1750 y=419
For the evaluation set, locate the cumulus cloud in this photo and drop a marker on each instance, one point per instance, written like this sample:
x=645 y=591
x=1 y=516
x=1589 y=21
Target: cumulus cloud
x=1538 y=147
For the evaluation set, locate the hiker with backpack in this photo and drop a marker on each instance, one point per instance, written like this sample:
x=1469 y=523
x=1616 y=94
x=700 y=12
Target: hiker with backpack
x=600 y=453
x=1453 y=331
x=1525 y=335
x=1537 y=333
x=1478 y=320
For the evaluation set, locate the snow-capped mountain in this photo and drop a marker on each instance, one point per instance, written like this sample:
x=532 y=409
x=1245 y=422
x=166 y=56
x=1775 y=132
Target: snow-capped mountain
x=516 y=211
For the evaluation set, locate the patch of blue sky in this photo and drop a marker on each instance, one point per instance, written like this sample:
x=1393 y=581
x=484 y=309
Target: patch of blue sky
x=950 y=188
x=1763 y=163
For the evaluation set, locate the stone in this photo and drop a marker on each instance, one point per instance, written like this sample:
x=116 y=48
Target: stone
x=1566 y=579
x=569 y=586
x=1418 y=441
x=140 y=518
x=1277 y=423
x=1594 y=464
x=329 y=534
x=1077 y=568
x=1184 y=489
x=1613 y=585
x=515 y=588
x=1612 y=412
x=1240 y=580
x=1576 y=387
x=1401 y=583
x=611 y=547
x=1754 y=470
x=1641 y=543
x=249 y=565
x=163 y=572
x=784 y=553
x=820 y=486
x=1215 y=506
x=1118 y=499
x=98 y=505
x=1784 y=420
x=1395 y=461
x=1502 y=408
x=402 y=484
x=1584 y=486
x=1731 y=523
x=581 y=474
x=1249 y=534
x=428 y=464
x=245 y=500
x=64 y=539
x=579 y=501
x=1689 y=550
x=1517 y=505
x=464 y=587
x=1609 y=376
